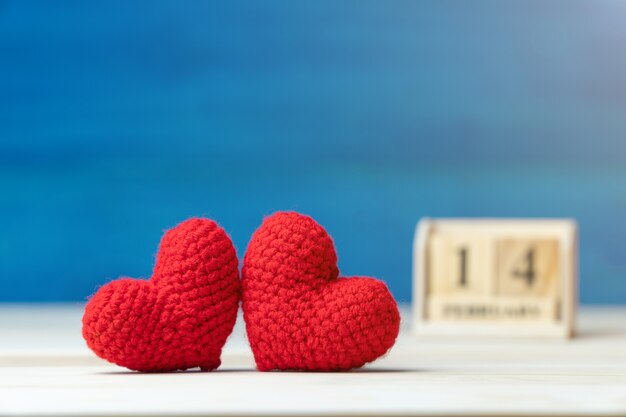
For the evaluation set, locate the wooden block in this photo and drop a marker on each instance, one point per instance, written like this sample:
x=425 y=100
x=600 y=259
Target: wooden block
x=488 y=309
x=507 y=277
x=527 y=267
x=459 y=265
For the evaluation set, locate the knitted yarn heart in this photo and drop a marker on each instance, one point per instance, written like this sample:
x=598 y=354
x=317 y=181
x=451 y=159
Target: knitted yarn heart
x=299 y=315
x=178 y=319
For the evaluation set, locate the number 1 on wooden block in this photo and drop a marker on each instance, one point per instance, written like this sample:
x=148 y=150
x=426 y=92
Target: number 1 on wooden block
x=459 y=265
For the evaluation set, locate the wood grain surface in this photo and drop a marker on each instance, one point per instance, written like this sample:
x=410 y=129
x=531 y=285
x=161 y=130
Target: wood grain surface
x=45 y=370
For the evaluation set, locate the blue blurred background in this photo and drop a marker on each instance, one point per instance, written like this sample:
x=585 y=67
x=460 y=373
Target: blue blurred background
x=120 y=119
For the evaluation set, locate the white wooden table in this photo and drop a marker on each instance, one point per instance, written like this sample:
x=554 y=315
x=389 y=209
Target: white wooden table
x=45 y=369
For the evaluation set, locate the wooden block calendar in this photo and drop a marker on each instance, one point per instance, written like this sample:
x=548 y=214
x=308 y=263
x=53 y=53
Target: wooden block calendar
x=513 y=277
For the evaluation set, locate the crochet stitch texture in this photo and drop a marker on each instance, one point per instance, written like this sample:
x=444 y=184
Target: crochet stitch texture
x=299 y=315
x=178 y=319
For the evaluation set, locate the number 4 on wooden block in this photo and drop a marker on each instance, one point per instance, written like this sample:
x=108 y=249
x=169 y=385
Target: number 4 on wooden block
x=527 y=267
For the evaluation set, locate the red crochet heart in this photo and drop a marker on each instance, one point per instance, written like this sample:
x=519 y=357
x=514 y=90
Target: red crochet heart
x=178 y=319
x=299 y=315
